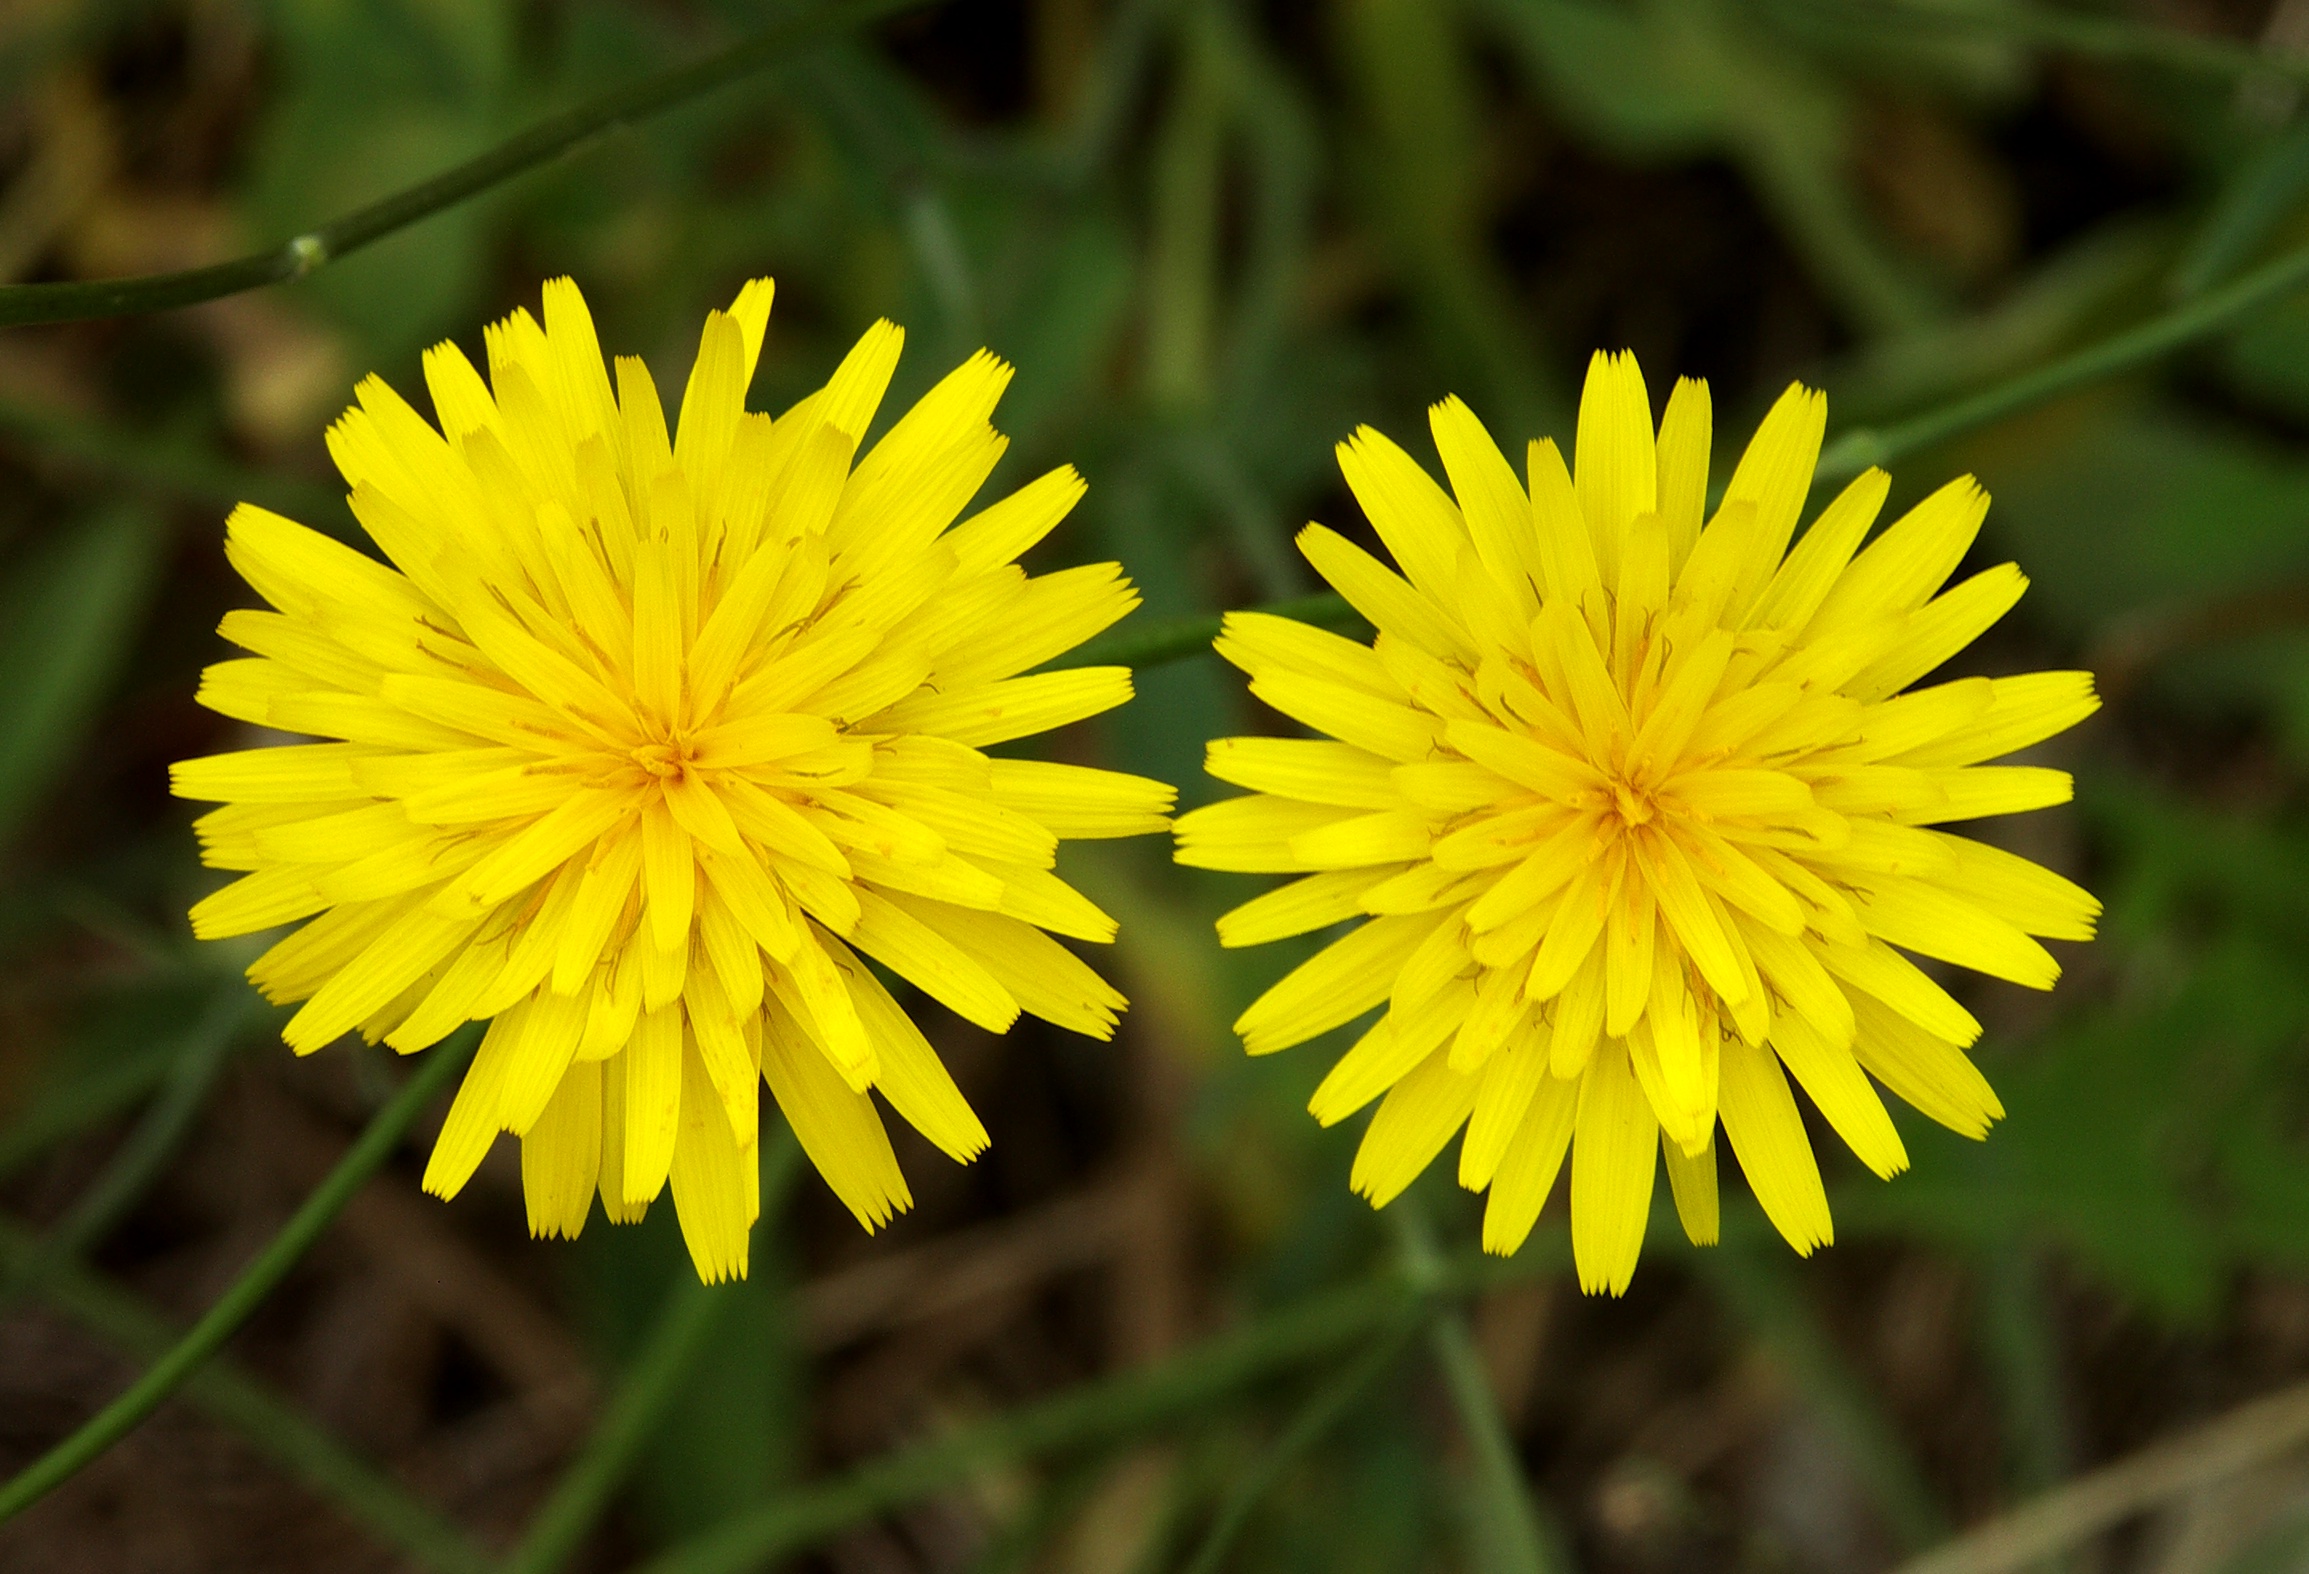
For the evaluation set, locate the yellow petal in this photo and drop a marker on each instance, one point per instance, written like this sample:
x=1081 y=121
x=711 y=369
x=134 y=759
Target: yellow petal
x=1768 y=1136
x=1613 y=1165
x=561 y=1156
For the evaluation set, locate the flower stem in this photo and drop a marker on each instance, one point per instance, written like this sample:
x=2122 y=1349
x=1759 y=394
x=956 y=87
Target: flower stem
x=1863 y=446
x=166 y=1375
x=1124 y=1405
x=549 y=139
x=1329 y=1406
x=1120 y=1406
x=680 y=1335
x=1517 y=1544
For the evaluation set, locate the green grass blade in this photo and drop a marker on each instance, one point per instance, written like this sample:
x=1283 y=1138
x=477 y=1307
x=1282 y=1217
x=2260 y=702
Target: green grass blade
x=1514 y=1540
x=1761 y=1293
x=66 y=1111
x=2262 y=195
x=1330 y=1405
x=1119 y=1406
x=2077 y=32
x=1183 y=249
x=2019 y=1343
x=684 y=1328
x=166 y=471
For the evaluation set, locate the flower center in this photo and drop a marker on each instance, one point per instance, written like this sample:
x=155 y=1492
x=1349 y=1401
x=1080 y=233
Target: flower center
x=1633 y=804
x=666 y=760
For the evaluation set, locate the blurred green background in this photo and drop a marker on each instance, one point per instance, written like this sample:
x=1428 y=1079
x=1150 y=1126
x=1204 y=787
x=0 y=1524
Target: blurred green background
x=1212 y=235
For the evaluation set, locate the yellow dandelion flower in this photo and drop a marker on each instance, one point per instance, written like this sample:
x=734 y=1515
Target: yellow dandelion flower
x=1637 y=818
x=643 y=740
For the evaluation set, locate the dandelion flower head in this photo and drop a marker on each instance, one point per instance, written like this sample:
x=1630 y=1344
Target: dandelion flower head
x=638 y=743
x=1637 y=819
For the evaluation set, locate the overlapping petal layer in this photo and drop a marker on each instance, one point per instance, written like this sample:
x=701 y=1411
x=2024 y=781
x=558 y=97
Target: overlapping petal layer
x=643 y=739
x=1637 y=818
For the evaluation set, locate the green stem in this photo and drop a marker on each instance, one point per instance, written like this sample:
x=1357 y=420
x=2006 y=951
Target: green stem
x=1514 y=1519
x=1517 y=1543
x=1856 y=450
x=1160 y=640
x=1330 y=1405
x=1114 y=1407
x=680 y=1335
x=260 y=1416
x=116 y=1420
x=549 y=139
x=692 y=1312
x=1117 y=1406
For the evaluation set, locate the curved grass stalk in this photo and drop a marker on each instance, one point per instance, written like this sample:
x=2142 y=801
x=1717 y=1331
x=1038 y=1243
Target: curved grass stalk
x=1119 y=1406
x=1329 y=1406
x=1518 y=1544
x=551 y=138
x=165 y=1376
x=1122 y=1406
x=2198 y=319
x=2249 y=1436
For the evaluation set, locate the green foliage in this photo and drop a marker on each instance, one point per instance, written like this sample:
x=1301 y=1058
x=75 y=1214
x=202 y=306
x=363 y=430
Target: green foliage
x=1211 y=242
